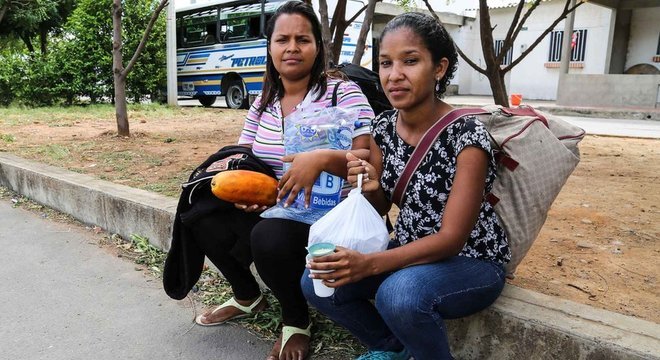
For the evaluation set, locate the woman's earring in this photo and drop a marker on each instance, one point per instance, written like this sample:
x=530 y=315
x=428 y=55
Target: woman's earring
x=437 y=84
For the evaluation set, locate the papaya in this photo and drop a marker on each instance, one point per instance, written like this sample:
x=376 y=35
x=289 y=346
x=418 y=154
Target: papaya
x=245 y=187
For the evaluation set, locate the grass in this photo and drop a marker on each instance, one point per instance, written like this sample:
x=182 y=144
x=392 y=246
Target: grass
x=329 y=341
x=8 y=138
x=53 y=151
x=68 y=115
x=54 y=116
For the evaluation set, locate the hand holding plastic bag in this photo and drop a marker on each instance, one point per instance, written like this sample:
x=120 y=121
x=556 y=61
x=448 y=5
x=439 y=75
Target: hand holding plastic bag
x=353 y=224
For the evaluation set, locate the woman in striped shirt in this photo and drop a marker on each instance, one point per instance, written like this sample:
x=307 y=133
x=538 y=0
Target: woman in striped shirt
x=295 y=75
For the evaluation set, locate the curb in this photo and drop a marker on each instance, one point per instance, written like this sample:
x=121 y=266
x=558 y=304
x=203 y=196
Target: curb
x=521 y=324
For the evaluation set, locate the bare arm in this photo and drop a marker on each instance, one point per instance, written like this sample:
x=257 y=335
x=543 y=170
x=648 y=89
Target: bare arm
x=371 y=172
x=459 y=218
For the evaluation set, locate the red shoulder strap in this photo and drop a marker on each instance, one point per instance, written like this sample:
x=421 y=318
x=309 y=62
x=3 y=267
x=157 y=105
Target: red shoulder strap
x=423 y=147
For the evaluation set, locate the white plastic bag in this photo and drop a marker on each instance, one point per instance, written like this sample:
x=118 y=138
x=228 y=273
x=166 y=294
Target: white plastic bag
x=353 y=224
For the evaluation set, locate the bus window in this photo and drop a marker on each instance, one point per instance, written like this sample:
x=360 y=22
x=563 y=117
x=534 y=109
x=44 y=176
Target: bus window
x=242 y=22
x=197 y=28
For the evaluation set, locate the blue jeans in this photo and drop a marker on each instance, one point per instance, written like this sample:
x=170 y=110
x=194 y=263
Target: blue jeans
x=411 y=304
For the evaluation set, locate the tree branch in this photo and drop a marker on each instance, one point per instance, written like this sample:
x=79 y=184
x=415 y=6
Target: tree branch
x=145 y=37
x=508 y=41
x=340 y=8
x=3 y=10
x=458 y=49
x=487 y=42
x=470 y=62
x=561 y=17
x=349 y=21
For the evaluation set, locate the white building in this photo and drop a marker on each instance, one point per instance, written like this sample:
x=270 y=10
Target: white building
x=615 y=58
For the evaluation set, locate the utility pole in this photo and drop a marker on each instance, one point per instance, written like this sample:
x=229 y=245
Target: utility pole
x=566 y=41
x=171 y=55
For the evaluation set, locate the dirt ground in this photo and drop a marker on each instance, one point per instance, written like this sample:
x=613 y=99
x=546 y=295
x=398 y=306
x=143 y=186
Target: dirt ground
x=600 y=245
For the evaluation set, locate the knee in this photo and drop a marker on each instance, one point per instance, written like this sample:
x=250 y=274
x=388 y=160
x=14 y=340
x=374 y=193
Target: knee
x=400 y=298
x=263 y=242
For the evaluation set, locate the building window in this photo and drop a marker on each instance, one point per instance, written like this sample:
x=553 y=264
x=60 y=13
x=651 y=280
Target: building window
x=578 y=45
x=509 y=54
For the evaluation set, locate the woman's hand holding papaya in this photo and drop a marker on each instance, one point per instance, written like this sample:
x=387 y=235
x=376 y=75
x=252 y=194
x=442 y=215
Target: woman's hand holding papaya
x=251 y=208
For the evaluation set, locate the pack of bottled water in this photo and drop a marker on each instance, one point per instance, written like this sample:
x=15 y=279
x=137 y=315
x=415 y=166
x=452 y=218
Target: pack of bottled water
x=308 y=129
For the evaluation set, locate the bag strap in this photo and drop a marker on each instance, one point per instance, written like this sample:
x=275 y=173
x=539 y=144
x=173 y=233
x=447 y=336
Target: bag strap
x=334 y=94
x=423 y=147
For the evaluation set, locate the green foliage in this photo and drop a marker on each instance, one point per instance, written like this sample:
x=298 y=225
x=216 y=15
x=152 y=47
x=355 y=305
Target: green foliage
x=33 y=80
x=25 y=16
x=34 y=19
x=147 y=254
x=149 y=73
x=10 y=77
x=87 y=52
x=78 y=64
x=39 y=75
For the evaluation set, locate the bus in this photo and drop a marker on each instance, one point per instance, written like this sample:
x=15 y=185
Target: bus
x=221 y=48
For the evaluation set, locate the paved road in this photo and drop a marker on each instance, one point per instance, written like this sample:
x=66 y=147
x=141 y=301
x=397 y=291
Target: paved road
x=63 y=297
x=617 y=127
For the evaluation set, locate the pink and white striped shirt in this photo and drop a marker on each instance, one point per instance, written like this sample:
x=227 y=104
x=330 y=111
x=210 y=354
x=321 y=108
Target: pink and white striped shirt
x=264 y=132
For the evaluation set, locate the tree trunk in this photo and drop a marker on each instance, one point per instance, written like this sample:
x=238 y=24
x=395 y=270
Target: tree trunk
x=119 y=72
x=43 y=39
x=121 y=112
x=497 y=86
x=364 y=31
x=28 y=43
x=493 y=69
x=339 y=25
x=325 y=30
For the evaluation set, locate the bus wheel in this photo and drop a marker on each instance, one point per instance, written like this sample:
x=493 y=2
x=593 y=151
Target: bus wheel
x=206 y=101
x=235 y=96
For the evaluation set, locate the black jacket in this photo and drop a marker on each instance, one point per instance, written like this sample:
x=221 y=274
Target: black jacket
x=185 y=260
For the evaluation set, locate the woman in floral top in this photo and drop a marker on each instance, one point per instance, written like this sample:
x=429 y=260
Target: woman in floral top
x=447 y=257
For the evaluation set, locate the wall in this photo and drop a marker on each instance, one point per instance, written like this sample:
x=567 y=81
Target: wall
x=644 y=34
x=597 y=90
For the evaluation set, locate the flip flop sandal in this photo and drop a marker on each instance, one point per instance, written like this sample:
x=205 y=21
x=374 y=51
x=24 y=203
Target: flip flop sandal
x=289 y=331
x=231 y=302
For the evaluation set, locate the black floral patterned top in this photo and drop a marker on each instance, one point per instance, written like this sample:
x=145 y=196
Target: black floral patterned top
x=428 y=191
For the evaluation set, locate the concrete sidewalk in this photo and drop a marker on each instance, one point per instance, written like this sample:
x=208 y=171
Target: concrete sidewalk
x=64 y=297
x=521 y=325
x=551 y=106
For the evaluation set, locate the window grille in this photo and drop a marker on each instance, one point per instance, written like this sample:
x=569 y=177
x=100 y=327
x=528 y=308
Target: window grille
x=578 y=45
x=506 y=60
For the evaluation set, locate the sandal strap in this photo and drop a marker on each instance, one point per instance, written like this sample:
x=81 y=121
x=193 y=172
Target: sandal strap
x=289 y=331
x=234 y=303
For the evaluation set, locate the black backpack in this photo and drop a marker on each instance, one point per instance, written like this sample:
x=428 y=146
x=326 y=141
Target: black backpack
x=369 y=82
